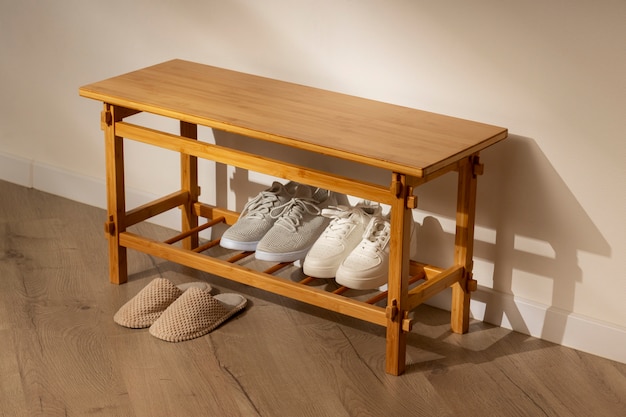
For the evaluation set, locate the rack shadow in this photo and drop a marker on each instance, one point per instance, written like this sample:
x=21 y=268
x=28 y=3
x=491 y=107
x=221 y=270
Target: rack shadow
x=535 y=229
x=533 y=223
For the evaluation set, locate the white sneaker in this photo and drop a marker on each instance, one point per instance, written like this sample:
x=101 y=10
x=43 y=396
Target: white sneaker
x=367 y=266
x=340 y=237
x=298 y=225
x=255 y=219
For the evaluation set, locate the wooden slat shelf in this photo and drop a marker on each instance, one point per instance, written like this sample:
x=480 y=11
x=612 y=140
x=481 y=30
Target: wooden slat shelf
x=258 y=279
x=435 y=280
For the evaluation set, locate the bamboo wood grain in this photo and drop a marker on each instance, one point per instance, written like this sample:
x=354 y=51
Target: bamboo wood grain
x=379 y=134
x=116 y=197
x=398 y=277
x=193 y=231
x=189 y=184
x=209 y=211
x=158 y=206
x=434 y=286
x=464 y=244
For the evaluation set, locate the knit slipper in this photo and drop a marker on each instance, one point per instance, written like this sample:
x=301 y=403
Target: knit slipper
x=144 y=308
x=194 y=314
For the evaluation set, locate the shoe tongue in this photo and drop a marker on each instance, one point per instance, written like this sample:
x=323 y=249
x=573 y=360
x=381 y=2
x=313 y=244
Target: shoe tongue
x=374 y=229
x=369 y=210
x=276 y=187
x=304 y=191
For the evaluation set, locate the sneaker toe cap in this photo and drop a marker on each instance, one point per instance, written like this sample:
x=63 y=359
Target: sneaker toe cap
x=362 y=264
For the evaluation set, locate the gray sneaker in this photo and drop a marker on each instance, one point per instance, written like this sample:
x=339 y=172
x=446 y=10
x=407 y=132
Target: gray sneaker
x=298 y=225
x=255 y=219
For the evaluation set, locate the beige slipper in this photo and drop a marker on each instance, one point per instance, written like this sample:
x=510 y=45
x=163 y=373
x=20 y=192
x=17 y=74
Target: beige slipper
x=144 y=308
x=194 y=314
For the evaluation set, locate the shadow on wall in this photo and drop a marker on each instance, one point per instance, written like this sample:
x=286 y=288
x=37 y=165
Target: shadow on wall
x=246 y=188
x=535 y=229
x=530 y=226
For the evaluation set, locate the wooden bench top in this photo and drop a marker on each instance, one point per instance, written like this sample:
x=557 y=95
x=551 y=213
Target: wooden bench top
x=387 y=136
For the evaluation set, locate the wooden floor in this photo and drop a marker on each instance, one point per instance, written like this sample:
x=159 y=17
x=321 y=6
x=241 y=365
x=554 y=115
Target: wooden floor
x=61 y=354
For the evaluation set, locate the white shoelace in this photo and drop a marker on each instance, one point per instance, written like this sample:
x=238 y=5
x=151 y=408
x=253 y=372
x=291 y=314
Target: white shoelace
x=343 y=217
x=376 y=236
x=291 y=213
x=259 y=205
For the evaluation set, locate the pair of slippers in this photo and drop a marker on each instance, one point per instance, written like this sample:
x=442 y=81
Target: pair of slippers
x=178 y=313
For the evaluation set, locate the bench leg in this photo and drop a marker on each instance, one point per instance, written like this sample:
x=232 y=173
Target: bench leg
x=401 y=219
x=116 y=201
x=189 y=183
x=464 y=243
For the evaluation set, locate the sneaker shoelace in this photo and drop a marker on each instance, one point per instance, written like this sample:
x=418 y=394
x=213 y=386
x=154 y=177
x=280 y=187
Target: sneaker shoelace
x=376 y=236
x=259 y=205
x=343 y=219
x=291 y=213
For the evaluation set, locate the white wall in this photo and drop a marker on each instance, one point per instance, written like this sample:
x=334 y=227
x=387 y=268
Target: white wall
x=550 y=251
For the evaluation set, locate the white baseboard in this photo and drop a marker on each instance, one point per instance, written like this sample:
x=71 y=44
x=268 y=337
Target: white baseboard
x=544 y=322
x=73 y=186
x=87 y=190
x=504 y=310
x=16 y=170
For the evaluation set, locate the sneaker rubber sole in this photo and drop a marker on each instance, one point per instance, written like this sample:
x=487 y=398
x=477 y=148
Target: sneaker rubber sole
x=281 y=256
x=237 y=245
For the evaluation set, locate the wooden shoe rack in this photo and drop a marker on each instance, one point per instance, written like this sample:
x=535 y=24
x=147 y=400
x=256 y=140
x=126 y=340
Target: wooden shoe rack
x=413 y=146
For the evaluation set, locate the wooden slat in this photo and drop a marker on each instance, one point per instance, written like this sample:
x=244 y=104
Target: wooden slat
x=209 y=211
x=383 y=294
x=428 y=271
x=277 y=267
x=307 y=280
x=206 y=245
x=195 y=230
x=256 y=279
x=434 y=285
x=239 y=256
x=158 y=206
x=253 y=162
